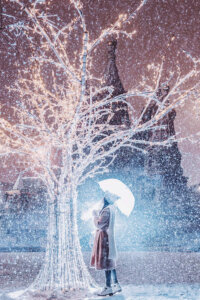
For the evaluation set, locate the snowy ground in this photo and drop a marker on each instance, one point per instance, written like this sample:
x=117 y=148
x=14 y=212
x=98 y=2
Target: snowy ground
x=143 y=276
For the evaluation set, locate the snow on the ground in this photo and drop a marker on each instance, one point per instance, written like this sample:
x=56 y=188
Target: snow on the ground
x=143 y=275
x=130 y=292
x=155 y=292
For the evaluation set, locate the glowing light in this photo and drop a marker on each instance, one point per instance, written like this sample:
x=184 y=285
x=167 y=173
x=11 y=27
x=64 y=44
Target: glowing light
x=88 y=214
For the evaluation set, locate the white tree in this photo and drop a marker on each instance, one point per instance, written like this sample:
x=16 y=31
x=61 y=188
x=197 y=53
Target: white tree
x=57 y=128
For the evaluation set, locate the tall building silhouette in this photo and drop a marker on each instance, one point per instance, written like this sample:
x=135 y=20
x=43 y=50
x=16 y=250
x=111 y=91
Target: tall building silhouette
x=163 y=159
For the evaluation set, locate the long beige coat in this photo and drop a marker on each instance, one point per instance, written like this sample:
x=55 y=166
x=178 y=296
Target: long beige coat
x=102 y=258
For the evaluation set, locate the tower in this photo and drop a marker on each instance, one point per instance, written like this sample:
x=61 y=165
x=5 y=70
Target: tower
x=163 y=160
x=112 y=80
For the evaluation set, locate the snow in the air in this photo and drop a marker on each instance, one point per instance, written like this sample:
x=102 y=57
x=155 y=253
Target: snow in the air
x=91 y=91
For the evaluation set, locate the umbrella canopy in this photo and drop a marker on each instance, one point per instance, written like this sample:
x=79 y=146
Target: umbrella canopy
x=124 y=198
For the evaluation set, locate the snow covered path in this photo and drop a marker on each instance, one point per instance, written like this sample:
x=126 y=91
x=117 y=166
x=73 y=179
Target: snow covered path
x=130 y=292
x=158 y=275
x=157 y=292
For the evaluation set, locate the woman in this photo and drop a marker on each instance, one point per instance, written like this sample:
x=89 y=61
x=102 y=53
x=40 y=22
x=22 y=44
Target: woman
x=104 y=251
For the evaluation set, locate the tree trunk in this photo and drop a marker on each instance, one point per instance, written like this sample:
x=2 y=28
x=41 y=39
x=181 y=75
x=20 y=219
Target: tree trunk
x=64 y=267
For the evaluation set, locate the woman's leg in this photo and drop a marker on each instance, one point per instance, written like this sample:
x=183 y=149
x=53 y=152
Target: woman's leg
x=108 y=278
x=107 y=290
x=114 y=276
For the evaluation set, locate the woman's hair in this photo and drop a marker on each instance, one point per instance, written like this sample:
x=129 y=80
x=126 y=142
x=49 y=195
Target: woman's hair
x=106 y=202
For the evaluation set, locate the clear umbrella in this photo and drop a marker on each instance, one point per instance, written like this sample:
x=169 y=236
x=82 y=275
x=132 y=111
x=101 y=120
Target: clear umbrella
x=125 y=200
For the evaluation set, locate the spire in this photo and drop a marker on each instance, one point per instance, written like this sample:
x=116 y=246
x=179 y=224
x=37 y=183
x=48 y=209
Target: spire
x=161 y=159
x=111 y=76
